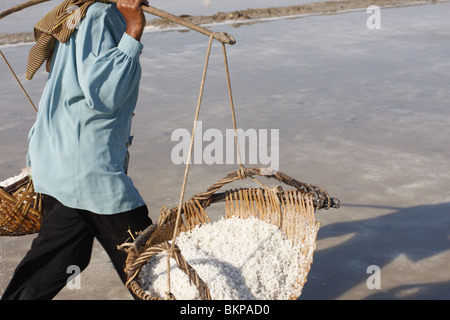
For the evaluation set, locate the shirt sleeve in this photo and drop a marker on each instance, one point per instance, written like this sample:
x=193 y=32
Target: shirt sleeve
x=108 y=64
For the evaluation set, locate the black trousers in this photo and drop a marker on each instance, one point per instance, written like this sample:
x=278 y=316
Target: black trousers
x=65 y=239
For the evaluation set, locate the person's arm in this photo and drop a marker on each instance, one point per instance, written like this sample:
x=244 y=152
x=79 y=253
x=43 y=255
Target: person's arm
x=134 y=16
x=108 y=67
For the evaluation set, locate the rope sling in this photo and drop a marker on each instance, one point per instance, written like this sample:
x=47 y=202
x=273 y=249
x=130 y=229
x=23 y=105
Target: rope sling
x=171 y=250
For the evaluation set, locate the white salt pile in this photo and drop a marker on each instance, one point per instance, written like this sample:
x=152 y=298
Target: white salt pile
x=239 y=259
x=16 y=178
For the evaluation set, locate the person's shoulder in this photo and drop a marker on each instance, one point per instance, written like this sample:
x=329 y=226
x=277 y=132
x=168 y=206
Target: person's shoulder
x=100 y=8
x=101 y=17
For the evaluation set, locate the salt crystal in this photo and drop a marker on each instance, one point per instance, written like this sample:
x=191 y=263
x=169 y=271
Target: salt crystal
x=239 y=259
x=10 y=181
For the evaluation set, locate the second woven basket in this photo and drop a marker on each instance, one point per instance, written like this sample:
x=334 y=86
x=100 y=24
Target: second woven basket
x=20 y=209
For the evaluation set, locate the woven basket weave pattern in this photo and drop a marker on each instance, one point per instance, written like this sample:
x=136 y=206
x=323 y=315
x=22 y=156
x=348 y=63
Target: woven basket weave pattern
x=20 y=209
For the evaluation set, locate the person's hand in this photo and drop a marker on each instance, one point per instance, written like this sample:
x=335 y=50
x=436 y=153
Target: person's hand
x=134 y=16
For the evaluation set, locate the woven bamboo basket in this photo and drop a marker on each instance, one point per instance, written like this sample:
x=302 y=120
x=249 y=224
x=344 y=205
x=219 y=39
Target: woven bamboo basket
x=291 y=210
x=20 y=208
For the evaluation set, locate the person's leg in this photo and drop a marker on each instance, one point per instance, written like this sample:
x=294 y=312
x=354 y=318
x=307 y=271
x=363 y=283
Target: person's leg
x=113 y=230
x=63 y=240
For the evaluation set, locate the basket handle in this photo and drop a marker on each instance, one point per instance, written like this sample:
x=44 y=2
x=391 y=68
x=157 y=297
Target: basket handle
x=321 y=198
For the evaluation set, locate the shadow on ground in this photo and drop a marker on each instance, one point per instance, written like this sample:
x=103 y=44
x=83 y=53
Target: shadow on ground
x=417 y=233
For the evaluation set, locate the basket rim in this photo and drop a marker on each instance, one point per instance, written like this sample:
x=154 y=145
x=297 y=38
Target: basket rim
x=321 y=199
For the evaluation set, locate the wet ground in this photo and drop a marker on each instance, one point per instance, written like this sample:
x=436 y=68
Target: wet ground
x=361 y=113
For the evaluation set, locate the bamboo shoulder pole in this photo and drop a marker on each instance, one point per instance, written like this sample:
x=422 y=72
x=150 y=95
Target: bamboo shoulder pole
x=20 y=6
x=219 y=36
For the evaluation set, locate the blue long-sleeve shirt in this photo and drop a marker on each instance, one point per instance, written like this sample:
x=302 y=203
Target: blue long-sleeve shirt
x=78 y=144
